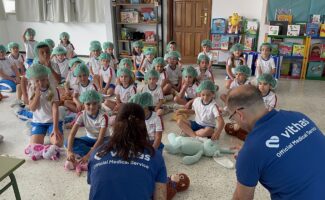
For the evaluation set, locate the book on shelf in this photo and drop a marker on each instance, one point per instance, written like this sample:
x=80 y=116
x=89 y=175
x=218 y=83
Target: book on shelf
x=251 y=26
x=296 y=69
x=285 y=67
x=283 y=26
x=216 y=41
x=316 y=19
x=302 y=25
x=315 y=69
x=312 y=29
x=129 y=16
x=149 y=36
x=283 y=14
x=148 y=15
x=298 y=50
x=249 y=43
x=285 y=48
x=224 y=42
x=293 y=30
x=276 y=41
x=219 y=25
x=275 y=49
x=274 y=30
x=322 y=30
x=315 y=51
x=322 y=54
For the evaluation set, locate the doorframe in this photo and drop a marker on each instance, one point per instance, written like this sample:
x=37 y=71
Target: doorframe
x=170 y=17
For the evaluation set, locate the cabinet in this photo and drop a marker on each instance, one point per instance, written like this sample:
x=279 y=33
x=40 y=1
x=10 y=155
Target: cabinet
x=137 y=20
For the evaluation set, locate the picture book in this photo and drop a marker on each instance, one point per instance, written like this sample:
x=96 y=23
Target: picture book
x=149 y=36
x=285 y=48
x=148 y=14
x=298 y=50
x=293 y=30
x=296 y=69
x=315 y=50
x=287 y=18
x=219 y=25
x=283 y=14
x=312 y=29
x=302 y=31
x=276 y=41
x=251 y=26
x=273 y=30
x=322 y=54
x=224 y=42
x=216 y=41
x=322 y=30
x=315 y=69
x=285 y=68
x=249 y=43
x=275 y=49
x=129 y=16
x=283 y=26
x=316 y=19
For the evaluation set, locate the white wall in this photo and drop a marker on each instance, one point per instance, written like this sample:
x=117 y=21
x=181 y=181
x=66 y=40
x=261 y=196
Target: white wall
x=4 y=38
x=80 y=33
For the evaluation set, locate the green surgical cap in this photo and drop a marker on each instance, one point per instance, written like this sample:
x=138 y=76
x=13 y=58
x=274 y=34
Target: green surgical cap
x=236 y=47
x=244 y=69
x=105 y=56
x=30 y=32
x=125 y=61
x=107 y=45
x=64 y=35
x=74 y=60
x=159 y=61
x=151 y=74
x=143 y=99
x=267 y=78
x=266 y=44
x=3 y=48
x=13 y=45
x=38 y=45
x=81 y=69
x=95 y=42
x=173 y=54
x=206 y=85
x=149 y=51
x=206 y=43
x=50 y=42
x=189 y=71
x=203 y=57
x=124 y=71
x=95 y=47
x=59 y=51
x=90 y=96
x=138 y=43
x=37 y=71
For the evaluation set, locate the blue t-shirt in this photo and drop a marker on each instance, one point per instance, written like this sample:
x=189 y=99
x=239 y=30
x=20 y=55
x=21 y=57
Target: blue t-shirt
x=113 y=178
x=285 y=152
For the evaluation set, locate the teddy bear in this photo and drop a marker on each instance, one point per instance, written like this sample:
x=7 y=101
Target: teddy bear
x=177 y=183
x=235 y=130
x=194 y=148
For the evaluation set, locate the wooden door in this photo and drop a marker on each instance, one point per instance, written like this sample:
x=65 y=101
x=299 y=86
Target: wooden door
x=191 y=25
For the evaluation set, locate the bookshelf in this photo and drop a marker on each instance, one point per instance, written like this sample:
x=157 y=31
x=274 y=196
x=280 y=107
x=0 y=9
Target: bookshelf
x=137 y=21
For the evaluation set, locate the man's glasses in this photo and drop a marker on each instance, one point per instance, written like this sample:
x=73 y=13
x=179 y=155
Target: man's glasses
x=231 y=116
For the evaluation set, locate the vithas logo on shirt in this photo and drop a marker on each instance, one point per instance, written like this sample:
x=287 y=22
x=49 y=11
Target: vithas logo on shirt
x=273 y=142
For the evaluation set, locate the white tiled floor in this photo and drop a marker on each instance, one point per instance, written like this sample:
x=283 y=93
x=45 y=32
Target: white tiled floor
x=48 y=180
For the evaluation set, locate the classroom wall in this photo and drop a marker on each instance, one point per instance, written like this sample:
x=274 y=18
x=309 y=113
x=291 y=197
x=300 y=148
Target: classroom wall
x=4 y=38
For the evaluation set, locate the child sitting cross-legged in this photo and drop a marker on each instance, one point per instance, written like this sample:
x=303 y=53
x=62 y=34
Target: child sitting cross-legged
x=203 y=70
x=266 y=83
x=123 y=91
x=208 y=121
x=107 y=75
x=154 y=122
x=159 y=65
x=147 y=63
x=188 y=90
x=61 y=60
x=16 y=58
x=151 y=77
x=84 y=84
x=206 y=46
x=174 y=73
x=95 y=121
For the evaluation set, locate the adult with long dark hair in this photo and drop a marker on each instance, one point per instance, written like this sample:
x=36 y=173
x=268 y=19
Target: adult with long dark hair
x=127 y=167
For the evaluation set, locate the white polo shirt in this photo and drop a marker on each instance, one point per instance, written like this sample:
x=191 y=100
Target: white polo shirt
x=162 y=77
x=147 y=65
x=106 y=74
x=125 y=93
x=73 y=80
x=235 y=84
x=79 y=89
x=265 y=65
x=16 y=61
x=205 y=115
x=157 y=93
x=190 y=92
x=154 y=124
x=5 y=67
x=29 y=47
x=93 y=125
x=64 y=67
x=94 y=65
x=173 y=74
x=270 y=100
x=207 y=75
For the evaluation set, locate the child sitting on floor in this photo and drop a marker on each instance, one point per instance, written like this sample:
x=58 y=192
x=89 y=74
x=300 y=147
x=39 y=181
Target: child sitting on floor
x=137 y=55
x=94 y=62
x=123 y=91
x=95 y=121
x=16 y=58
x=266 y=83
x=108 y=47
x=153 y=121
x=29 y=43
x=189 y=86
x=207 y=114
x=202 y=70
x=151 y=78
x=159 y=65
x=147 y=63
x=236 y=59
x=71 y=80
x=65 y=42
x=61 y=60
x=265 y=63
x=9 y=74
x=206 y=46
x=84 y=84
x=43 y=102
x=107 y=75
x=174 y=73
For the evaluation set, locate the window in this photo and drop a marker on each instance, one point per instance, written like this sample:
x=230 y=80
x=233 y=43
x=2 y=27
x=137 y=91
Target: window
x=9 y=6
